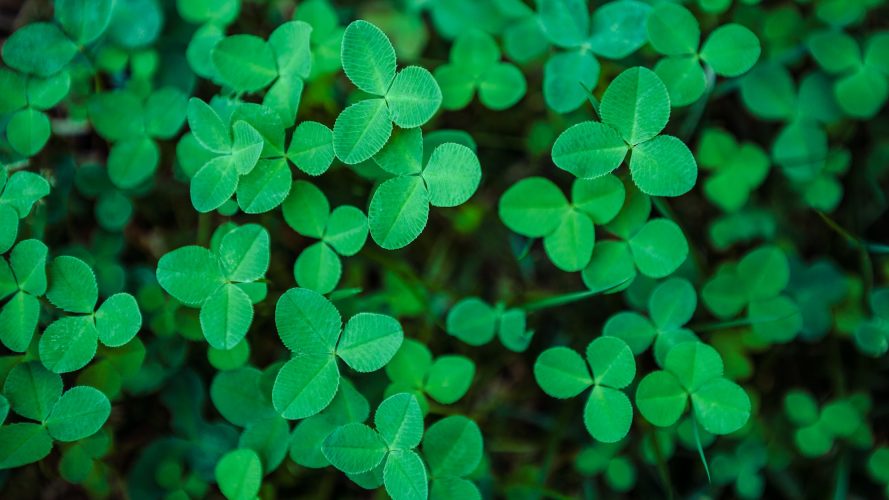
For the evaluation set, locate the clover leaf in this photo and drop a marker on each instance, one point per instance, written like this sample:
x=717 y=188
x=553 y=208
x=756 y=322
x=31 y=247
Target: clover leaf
x=816 y=429
x=737 y=169
x=399 y=208
x=348 y=406
x=475 y=322
x=605 y=459
x=616 y=30
x=239 y=474
x=357 y=449
x=407 y=98
x=634 y=109
x=134 y=125
x=730 y=50
x=27 y=98
x=24 y=279
x=693 y=370
x=445 y=379
x=743 y=467
x=862 y=86
x=216 y=281
x=562 y=373
x=310 y=326
x=453 y=449
x=671 y=305
x=342 y=231
x=18 y=194
x=475 y=66
x=872 y=334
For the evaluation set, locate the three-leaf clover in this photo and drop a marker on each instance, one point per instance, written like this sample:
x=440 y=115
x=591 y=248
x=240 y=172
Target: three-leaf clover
x=399 y=207
x=453 y=449
x=737 y=169
x=862 y=85
x=35 y=393
x=604 y=459
x=616 y=30
x=730 y=50
x=671 y=305
x=342 y=231
x=407 y=98
x=743 y=467
x=818 y=428
x=756 y=283
x=27 y=98
x=562 y=373
x=634 y=110
x=446 y=379
x=133 y=125
x=388 y=451
x=535 y=207
x=693 y=370
x=475 y=65
x=70 y=342
x=219 y=281
x=24 y=279
x=18 y=194
x=475 y=322
x=311 y=327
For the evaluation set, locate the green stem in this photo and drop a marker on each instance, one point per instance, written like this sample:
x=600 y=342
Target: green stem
x=558 y=300
x=699 y=446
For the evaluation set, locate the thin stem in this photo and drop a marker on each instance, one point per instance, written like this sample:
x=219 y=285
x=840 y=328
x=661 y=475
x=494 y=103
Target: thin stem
x=699 y=446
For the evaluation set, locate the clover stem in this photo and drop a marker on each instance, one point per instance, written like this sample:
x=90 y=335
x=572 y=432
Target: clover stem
x=558 y=300
x=693 y=119
x=697 y=434
x=661 y=464
x=841 y=489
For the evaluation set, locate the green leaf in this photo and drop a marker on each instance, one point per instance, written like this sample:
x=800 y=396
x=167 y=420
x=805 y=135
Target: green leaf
x=226 y=316
x=453 y=447
x=660 y=398
x=502 y=86
x=23 y=190
x=369 y=341
x=28 y=131
x=368 y=58
x=28 y=263
x=721 y=406
x=663 y=166
x=565 y=22
x=265 y=187
x=449 y=378
x=684 y=78
x=600 y=198
x=404 y=476
x=533 y=207
x=361 y=130
x=636 y=104
x=403 y=155
x=562 y=373
x=306 y=209
x=39 y=48
x=79 y=413
x=566 y=76
x=346 y=230
x=22 y=444
x=239 y=474
x=619 y=28
x=305 y=385
x=672 y=304
x=414 y=97
x=694 y=364
x=18 y=320
x=118 y=320
x=290 y=43
x=132 y=161
x=236 y=394
x=72 y=285
x=764 y=272
x=244 y=62
x=311 y=148
x=673 y=30
x=398 y=212
x=84 y=20
x=318 y=268
x=354 y=448
x=214 y=183
x=400 y=422
x=452 y=175
x=612 y=362
x=165 y=111
x=731 y=50
x=589 y=150
x=611 y=267
x=247 y=147
x=473 y=321
x=207 y=127
x=68 y=344
x=659 y=248
x=244 y=253
x=633 y=328
x=307 y=322
x=32 y=390
x=190 y=274
x=570 y=246
x=608 y=414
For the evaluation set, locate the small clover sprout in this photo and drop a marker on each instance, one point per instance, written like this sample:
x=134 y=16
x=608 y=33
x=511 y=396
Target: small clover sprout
x=693 y=370
x=399 y=208
x=445 y=379
x=562 y=373
x=407 y=98
x=342 y=232
x=730 y=50
x=862 y=87
x=616 y=30
x=816 y=429
x=384 y=455
x=18 y=194
x=217 y=281
x=634 y=110
x=872 y=334
x=737 y=169
x=671 y=305
x=606 y=460
x=475 y=322
x=311 y=327
x=475 y=66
